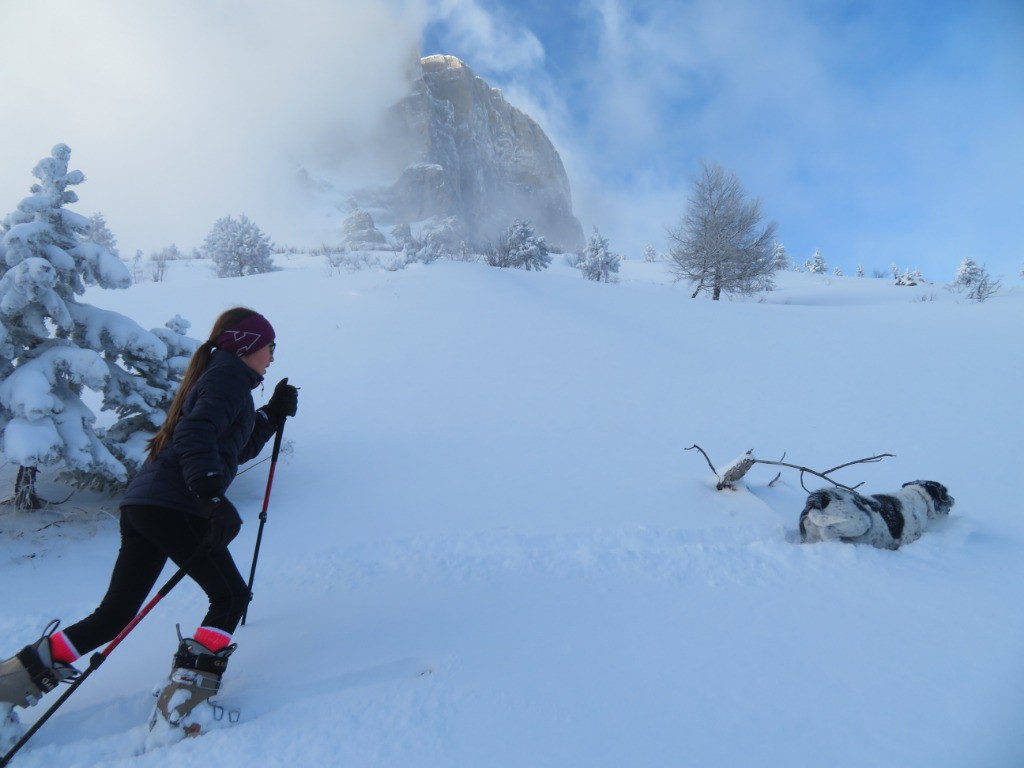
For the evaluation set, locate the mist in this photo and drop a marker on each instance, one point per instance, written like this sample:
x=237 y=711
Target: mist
x=180 y=113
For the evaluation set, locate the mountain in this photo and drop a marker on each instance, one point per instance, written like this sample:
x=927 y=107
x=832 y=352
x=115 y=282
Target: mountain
x=475 y=162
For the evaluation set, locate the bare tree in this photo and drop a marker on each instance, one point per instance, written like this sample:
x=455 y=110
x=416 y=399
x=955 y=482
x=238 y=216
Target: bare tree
x=719 y=244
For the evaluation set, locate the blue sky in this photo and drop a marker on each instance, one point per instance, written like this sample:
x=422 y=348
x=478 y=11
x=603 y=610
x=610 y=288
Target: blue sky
x=878 y=132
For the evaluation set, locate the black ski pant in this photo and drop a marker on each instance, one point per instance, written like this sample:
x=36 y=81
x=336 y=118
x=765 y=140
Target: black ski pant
x=150 y=535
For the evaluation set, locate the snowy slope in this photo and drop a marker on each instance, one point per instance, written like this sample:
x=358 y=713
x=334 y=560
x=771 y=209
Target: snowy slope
x=487 y=482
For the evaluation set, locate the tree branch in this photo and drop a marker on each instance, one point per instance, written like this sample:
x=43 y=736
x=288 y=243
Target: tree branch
x=824 y=475
x=705 y=458
x=740 y=467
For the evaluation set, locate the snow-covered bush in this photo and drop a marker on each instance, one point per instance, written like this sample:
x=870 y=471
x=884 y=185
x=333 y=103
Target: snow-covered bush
x=650 y=255
x=158 y=262
x=519 y=248
x=464 y=253
x=53 y=347
x=910 y=277
x=598 y=263
x=438 y=240
x=238 y=248
x=401 y=235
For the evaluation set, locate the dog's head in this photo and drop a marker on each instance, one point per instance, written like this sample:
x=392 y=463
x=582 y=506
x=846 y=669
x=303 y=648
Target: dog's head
x=941 y=500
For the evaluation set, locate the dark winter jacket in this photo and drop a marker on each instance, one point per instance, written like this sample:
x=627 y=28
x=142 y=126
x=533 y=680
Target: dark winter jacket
x=218 y=429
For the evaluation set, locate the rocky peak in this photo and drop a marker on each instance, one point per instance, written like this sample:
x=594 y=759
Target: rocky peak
x=477 y=160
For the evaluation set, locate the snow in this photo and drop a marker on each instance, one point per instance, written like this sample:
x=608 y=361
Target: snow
x=487 y=480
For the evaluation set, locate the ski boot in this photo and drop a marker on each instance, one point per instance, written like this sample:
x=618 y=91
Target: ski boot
x=195 y=679
x=25 y=677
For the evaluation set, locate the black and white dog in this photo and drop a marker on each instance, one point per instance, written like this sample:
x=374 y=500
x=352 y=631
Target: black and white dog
x=886 y=521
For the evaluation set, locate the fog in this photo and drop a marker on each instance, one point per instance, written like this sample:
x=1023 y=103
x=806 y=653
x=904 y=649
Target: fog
x=180 y=113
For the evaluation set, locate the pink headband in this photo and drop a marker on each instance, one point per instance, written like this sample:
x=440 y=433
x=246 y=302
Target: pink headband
x=247 y=336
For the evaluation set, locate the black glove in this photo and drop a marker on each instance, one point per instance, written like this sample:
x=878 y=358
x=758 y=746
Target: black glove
x=283 y=403
x=224 y=519
x=224 y=522
x=208 y=486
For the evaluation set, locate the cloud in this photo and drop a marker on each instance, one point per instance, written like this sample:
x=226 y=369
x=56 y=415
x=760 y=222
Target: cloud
x=486 y=38
x=182 y=112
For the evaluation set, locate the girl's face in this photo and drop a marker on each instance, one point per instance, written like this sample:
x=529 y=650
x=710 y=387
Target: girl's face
x=261 y=359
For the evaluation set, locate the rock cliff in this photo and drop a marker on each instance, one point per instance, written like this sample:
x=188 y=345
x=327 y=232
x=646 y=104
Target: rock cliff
x=475 y=159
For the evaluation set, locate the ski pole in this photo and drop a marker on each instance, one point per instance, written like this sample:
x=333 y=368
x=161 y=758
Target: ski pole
x=94 y=662
x=263 y=515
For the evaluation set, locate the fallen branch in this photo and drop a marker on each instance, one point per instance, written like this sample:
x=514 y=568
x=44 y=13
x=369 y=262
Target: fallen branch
x=739 y=467
x=825 y=475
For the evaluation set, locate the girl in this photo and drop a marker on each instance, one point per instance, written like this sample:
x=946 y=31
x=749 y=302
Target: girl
x=175 y=508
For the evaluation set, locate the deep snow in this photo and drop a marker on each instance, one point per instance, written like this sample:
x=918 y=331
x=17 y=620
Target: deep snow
x=487 y=480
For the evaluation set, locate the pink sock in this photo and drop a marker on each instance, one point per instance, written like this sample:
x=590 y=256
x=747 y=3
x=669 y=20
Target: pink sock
x=61 y=649
x=213 y=638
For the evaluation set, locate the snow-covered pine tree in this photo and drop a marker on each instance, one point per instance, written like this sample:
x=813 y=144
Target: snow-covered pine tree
x=816 y=264
x=54 y=347
x=975 y=280
x=529 y=251
x=238 y=248
x=141 y=401
x=650 y=255
x=780 y=258
x=860 y=270
x=100 y=234
x=597 y=262
x=968 y=273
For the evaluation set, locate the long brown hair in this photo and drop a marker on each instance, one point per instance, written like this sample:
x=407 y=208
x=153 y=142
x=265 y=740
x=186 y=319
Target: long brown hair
x=196 y=367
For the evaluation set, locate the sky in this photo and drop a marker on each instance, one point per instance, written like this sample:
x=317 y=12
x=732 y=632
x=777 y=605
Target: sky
x=879 y=133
